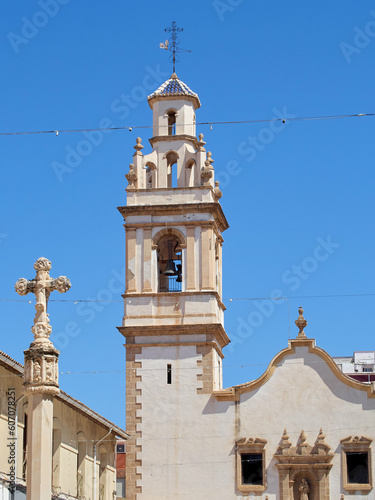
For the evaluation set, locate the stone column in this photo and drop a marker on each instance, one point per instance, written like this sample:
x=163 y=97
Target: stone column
x=147 y=260
x=40 y=382
x=190 y=257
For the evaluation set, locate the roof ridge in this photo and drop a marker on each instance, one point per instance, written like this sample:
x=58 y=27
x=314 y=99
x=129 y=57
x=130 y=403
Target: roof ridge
x=2 y=353
x=63 y=396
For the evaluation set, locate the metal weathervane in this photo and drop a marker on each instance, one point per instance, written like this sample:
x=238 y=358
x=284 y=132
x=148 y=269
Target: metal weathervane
x=172 y=44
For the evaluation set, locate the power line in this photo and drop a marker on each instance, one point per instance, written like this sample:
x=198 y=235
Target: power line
x=210 y=123
x=339 y=295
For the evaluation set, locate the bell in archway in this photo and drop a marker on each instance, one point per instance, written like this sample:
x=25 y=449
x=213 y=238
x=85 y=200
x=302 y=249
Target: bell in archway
x=170 y=269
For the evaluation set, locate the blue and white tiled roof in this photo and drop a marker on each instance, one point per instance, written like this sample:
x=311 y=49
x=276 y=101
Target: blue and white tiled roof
x=174 y=87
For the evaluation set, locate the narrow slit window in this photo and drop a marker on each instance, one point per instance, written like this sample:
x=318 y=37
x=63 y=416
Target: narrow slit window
x=172 y=123
x=169 y=374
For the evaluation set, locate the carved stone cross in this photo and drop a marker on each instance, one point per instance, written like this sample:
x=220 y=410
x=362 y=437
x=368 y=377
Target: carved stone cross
x=42 y=285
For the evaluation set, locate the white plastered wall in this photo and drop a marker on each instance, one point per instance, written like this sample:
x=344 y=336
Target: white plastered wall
x=189 y=439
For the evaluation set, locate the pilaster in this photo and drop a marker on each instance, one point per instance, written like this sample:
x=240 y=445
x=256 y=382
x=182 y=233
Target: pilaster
x=131 y=284
x=190 y=253
x=133 y=422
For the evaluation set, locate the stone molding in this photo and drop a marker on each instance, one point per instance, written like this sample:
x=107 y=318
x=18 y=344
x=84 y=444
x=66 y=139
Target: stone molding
x=217 y=330
x=173 y=294
x=173 y=138
x=211 y=344
x=213 y=208
x=185 y=97
x=233 y=393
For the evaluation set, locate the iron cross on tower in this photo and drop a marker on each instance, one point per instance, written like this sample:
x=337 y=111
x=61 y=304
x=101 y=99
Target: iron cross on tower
x=42 y=285
x=172 y=44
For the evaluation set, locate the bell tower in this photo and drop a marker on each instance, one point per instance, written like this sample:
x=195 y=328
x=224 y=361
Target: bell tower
x=173 y=312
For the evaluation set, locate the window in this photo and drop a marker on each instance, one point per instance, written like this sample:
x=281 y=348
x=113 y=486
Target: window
x=357 y=467
x=356 y=463
x=172 y=158
x=150 y=175
x=251 y=470
x=169 y=374
x=172 y=122
x=120 y=448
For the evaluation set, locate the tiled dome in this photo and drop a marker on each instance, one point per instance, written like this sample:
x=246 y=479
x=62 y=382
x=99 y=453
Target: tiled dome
x=175 y=87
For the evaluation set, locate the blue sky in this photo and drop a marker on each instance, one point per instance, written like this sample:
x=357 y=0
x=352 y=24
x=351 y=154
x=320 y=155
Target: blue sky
x=299 y=198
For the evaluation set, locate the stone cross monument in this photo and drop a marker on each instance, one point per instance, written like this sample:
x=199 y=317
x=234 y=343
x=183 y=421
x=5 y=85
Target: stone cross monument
x=40 y=381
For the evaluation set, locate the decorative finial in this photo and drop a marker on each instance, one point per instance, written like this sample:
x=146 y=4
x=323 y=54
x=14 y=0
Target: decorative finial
x=209 y=160
x=321 y=447
x=285 y=444
x=301 y=323
x=201 y=143
x=302 y=444
x=172 y=45
x=138 y=147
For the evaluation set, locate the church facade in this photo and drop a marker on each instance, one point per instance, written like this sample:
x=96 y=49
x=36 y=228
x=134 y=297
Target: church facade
x=303 y=430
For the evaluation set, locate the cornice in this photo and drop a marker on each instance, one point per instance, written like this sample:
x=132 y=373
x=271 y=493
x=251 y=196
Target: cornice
x=174 y=138
x=214 y=208
x=173 y=294
x=185 y=97
x=233 y=393
x=215 y=329
x=177 y=344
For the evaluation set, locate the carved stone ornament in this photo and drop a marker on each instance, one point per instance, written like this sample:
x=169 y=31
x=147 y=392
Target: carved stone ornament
x=41 y=330
x=43 y=264
x=42 y=285
x=131 y=177
x=22 y=286
x=301 y=324
x=303 y=469
x=206 y=174
x=285 y=444
x=61 y=284
x=217 y=193
x=320 y=446
x=41 y=370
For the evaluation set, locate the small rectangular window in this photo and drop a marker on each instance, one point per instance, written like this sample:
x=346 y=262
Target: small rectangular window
x=169 y=374
x=252 y=468
x=120 y=448
x=251 y=465
x=357 y=467
x=356 y=464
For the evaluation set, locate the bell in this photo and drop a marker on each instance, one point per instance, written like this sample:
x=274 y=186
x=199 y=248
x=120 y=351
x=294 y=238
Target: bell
x=179 y=273
x=170 y=269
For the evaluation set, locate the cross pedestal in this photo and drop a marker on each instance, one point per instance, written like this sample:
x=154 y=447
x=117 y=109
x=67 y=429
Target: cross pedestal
x=40 y=381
